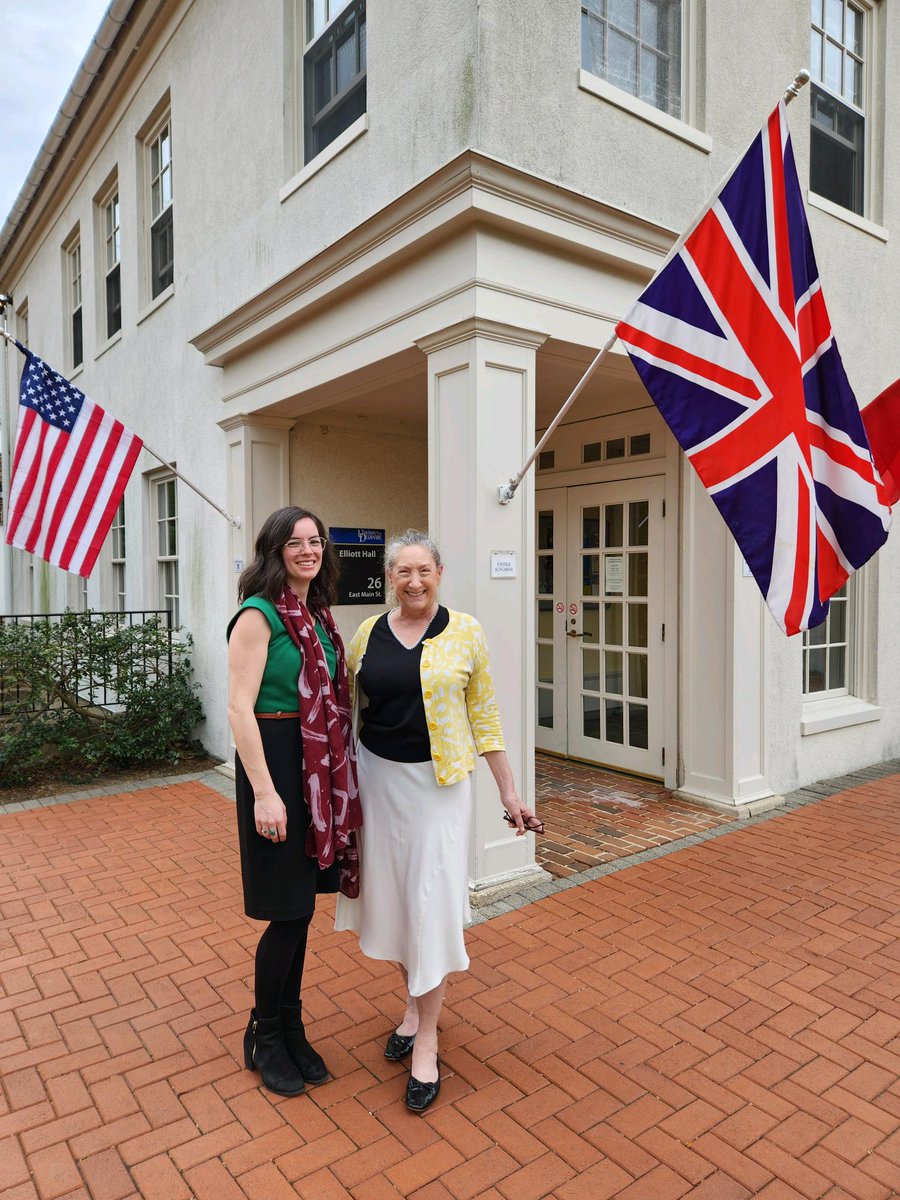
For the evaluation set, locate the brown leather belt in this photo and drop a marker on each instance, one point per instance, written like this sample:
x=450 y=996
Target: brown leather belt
x=276 y=716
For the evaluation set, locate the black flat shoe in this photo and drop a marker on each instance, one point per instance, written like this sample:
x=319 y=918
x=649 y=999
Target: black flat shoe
x=399 y=1045
x=420 y=1096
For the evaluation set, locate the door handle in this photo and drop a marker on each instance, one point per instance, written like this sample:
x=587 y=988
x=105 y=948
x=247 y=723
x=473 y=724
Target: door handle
x=574 y=633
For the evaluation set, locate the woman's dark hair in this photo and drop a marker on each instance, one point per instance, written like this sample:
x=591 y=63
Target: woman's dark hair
x=265 y=576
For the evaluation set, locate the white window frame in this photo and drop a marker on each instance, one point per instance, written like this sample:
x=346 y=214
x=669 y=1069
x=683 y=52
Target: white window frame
x=812 y=646
x=149 y=136
x=316 y=22
x=73 y=284
x=685 y=127
x=109 y=257
x=854 y=704
x=869 y=111
x=117 y=546
x=166 y=562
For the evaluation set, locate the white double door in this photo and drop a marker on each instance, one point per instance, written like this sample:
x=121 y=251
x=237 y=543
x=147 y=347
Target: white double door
x=599 y=622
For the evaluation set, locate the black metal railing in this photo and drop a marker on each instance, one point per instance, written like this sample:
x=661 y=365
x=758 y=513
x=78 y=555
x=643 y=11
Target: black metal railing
x=85 y=658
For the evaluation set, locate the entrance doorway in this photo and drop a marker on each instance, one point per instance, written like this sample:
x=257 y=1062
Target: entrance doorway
x=600 y=602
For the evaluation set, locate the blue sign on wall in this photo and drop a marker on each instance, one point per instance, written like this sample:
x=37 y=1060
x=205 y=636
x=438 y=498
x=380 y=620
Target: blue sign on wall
x=360 y=553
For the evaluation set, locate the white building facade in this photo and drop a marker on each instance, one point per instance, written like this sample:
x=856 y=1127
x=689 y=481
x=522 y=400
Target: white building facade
x=355 y=255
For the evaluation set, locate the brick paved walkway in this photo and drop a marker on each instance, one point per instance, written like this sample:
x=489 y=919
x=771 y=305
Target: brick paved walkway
x=722 y=1022
x=593 y=816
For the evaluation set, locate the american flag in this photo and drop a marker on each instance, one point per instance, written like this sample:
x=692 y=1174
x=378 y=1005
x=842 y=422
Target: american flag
x=734 y=344
x=71 y=463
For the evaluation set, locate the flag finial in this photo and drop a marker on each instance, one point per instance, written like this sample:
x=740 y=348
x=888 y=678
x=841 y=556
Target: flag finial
x=801 y=79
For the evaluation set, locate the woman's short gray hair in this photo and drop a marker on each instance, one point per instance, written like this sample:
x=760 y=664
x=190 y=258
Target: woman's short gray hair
x=402 y=541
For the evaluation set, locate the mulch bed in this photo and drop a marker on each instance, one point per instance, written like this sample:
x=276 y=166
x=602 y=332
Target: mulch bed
x=56 y=781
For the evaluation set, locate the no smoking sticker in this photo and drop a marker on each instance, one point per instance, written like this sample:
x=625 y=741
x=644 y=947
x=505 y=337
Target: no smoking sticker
x=560 y=607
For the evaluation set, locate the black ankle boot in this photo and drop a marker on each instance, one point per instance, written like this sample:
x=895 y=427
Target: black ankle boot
x=265 y=1051
x=308 y=1062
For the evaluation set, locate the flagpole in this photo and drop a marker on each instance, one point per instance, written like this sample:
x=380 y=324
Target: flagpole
x=233 y=521
x=506 y=491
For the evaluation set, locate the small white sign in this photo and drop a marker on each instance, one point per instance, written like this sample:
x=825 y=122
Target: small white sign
x=238 y=566
x=614 y=572
x=503 y=564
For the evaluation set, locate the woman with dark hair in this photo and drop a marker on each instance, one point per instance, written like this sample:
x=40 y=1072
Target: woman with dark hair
x=295 y=775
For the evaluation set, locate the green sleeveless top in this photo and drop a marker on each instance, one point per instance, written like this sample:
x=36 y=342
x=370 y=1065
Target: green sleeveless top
x=278 y=688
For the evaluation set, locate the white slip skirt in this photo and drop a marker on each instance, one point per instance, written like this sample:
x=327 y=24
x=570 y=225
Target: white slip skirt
x=413 y=899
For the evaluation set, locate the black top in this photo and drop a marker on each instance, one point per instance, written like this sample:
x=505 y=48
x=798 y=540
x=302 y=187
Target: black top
x=393 y=723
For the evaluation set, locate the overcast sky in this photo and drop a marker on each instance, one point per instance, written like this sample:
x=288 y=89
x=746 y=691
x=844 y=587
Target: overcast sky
x=41 y=47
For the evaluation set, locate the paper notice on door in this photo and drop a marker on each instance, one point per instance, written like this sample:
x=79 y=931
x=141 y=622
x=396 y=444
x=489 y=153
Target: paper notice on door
x=613 y=566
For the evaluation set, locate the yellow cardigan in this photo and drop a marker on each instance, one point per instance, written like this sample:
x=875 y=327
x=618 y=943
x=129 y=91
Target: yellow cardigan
x=457 y=691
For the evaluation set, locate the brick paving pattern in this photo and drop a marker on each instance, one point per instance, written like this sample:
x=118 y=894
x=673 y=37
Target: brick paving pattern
x=722 y=1022
x=593 y=816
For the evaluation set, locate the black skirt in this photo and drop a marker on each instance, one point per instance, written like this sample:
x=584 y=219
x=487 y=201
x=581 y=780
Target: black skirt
x=280 y=879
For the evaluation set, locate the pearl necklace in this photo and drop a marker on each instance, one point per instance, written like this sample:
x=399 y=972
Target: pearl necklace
x=428 y=618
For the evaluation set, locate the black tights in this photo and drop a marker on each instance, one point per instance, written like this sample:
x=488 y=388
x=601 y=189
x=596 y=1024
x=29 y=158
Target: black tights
x=279 y=965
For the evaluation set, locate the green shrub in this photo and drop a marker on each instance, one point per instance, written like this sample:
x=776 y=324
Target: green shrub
x=87 y=690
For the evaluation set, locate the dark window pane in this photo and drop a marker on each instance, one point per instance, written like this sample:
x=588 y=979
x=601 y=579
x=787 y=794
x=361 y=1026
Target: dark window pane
x=640 y=444
x=334 y=79
x=591 y=623
x=613 y=681
x=637 y=675
x=545 y=708
x=613 y=516
x=590 y=527
x=545 y=619
x=613 y=624
x=546 y=460
x=590 y=574
x=638 y=522
x=637 y=726
x=545 y=530
x=836 y=151
x=816 y=671
x=637 y=574
x=590 y=707
x=590 y=670
x=615 y=448
x=113 y=302
x=545 y=574
x=545 y=662
x=346 y=59
x=162 y=245
x=323 y=81
x=615 y=721
x=591 y=452
x=77 y=344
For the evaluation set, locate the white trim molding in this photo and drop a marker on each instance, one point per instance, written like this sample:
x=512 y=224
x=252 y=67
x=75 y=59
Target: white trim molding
x=646 y=112
x=332 y=150
x=838 y=712
x=848 y=217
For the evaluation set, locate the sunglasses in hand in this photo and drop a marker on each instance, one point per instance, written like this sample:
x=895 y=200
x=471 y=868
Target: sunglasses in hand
x=532 y=824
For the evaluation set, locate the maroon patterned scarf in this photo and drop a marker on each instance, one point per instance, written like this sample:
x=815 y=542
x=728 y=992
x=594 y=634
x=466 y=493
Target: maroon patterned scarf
x=329 y=762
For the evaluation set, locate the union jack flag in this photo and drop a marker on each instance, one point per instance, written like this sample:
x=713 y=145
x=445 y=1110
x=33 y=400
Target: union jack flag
x=734 y=344
x=70 y=467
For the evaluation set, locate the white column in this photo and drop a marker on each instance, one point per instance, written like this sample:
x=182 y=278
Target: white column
x=257 y=479
x=257 y=483
x=723 y=693
x=481 y=405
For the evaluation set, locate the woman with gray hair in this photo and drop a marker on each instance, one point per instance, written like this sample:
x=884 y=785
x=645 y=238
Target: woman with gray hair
x=424 y=705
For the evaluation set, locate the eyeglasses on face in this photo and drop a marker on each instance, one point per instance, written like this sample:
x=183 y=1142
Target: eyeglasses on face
x=313 y=543
x=532 y=824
